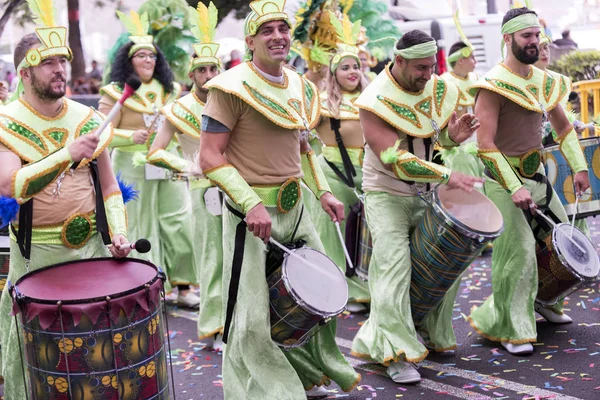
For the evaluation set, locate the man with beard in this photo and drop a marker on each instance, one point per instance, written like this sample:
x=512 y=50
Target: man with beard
x=65 y=214
x=183 y=118
x=254 y=146
x=512 y=102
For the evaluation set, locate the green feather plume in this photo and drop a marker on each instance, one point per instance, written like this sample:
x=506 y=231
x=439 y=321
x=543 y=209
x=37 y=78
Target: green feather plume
x=390 y=155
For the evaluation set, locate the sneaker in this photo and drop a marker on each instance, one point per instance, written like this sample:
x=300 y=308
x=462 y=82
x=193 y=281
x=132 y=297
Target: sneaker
x=356 y=308
x=552 y=316
x=189 y=300
x=317 y=392
x=216 y=342
x=516 y=349
x=403 y=372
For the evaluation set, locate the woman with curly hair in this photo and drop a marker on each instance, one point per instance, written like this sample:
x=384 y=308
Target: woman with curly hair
x=163 y=212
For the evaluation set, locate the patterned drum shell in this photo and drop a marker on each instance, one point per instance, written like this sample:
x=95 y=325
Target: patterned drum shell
x=103 y=338
x=4 y=258
x=454 y=230
x=561 y=177
x=365 y=247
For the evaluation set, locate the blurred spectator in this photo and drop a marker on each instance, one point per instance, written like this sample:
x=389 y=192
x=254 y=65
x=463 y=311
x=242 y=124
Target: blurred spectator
x=566 y=39
x=236 y=59
x=547 y=30
x=95 y=73
x=9 y=77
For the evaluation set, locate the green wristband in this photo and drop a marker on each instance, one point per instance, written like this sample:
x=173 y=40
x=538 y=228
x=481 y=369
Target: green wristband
x=231 y=182
x=314 y=177
x=115 y=214
x=502 y=171
x=122 y=137
x=571 y=149
x=164 y=159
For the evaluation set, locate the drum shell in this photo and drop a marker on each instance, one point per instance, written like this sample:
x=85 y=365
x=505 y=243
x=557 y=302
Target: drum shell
x=85 y=356
x=365 y=247
x=4 y=259
x=441 y=248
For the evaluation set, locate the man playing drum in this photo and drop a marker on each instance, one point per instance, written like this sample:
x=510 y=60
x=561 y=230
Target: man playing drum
x=409 y=105
x=41 y=135
x=513 y=101
x=183 y=118
x=254 y=147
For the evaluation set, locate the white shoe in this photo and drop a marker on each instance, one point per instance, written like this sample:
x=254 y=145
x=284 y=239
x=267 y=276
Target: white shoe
x=216 y=342
x=190 y=300
x=525 y=348
x=317 y=392
x=552 y=316
x=403 y=372
x=356 y=307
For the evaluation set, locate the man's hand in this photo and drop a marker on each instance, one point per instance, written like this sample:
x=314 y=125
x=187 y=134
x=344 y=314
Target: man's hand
x=117 y=241
x=460 y=129
x=83 y=147
x=582 y=182
x=140 y=136
x=464 y=182
x=259 y=222
x=333 y=207
x=522 y=199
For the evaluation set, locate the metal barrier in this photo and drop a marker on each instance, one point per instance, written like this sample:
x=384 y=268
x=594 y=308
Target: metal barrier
x=585 y=89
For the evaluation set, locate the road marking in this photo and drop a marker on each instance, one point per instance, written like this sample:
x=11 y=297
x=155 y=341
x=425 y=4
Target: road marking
x=477 y=377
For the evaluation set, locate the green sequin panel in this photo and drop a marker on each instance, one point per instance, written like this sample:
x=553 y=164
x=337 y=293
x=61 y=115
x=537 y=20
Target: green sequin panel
x=77 y=231
x=491 y=166
x=506 y=86
x=425 y=107
x=289 y=196
x=534 y=91
x=414 y=168
x=182 y=113
x=309 y=94
x=296 y=105
x=268 y=102
x=89 y=126
x=405 y=112
x=151 y=139
x=548 y=87
x=440 y=89
x=531 y=163
x=151 y=96
x=57 y=135
x=162 y=165
x=38 y=184
x=22 y=131
x=563 y=86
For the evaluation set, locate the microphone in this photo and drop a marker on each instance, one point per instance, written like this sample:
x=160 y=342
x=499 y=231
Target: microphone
x=142 y=246
x=132 y=83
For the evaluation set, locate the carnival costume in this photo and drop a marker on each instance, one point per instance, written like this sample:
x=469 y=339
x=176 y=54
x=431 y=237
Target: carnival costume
x=183 y=117
x=341 y=158
x=163 y=212
x=265 y=120
x=508 y=313
x=393 y=208
x=61 y=209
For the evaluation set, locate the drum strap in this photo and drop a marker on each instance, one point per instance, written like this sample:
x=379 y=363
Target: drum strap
x=347 y=178
x=236 y=268
x=101 y=220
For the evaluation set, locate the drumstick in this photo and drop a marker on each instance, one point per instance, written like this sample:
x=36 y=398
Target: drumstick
x=297 y=257
x=339 y=232
x=574 y=214
x=142 y=246
x=551 y=222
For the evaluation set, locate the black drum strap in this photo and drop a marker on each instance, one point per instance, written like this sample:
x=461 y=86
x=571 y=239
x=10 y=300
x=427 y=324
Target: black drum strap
x=25 y=228
x=350 y=171
x=101 y=220
x=236 y=268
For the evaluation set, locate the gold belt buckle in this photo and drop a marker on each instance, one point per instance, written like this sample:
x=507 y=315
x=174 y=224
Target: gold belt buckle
x=530 y=162
x=76 y=231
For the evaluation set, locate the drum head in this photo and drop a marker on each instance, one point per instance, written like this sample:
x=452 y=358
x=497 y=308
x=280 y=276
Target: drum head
x=4 y=244
x=585 y=264
x=322 y=288
x=473 y=210
x=92 y=279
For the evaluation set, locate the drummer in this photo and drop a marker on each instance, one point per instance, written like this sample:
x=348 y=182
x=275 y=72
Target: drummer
x=406 y=104
x=35 y=173
x=183 y=118
x=254 y=147
x=513 y=100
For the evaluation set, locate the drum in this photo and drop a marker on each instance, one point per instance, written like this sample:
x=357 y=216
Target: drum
x=454 y=230
x=562 y=267
x=303 y=295
x=358 y=240
x=92 y=329
x=561 y=177
x=4 y=258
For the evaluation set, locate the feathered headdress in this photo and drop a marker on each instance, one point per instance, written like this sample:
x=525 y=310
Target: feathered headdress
x=53 y=38
x=138 y=27
x=205 y=23
x=464 y=52
x=347 y=33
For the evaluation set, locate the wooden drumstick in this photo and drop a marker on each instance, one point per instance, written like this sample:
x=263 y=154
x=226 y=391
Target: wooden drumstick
x=297 y=257
x=574 y=214
x=339 y=232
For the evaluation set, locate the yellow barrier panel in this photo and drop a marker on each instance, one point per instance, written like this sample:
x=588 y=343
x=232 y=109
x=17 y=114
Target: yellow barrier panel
x=584 y=89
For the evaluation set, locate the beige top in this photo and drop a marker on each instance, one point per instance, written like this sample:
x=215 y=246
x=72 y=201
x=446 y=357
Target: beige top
x=125 y=119
x=189 y=145
x=263 y=153
x=350 y=130
x=519 y=129
x=52 y=210
x=378 y=179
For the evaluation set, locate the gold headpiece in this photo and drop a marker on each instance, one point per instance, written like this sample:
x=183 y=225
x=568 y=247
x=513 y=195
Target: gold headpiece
x=138 y=27
x=205 y=24
x=265 y=11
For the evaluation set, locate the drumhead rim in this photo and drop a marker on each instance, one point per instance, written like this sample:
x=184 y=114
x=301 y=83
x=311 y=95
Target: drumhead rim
x=295 y=295
x=90 y=300
x=563 y=259
x=439 y=208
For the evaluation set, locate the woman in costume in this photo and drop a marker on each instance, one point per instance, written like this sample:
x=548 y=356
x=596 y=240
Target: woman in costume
x=163 y=213
x=341 y=158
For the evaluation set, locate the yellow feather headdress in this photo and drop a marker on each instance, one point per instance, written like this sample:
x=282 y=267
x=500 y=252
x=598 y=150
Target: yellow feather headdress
x=138 y=27
x=347 y=33
x=205 y=24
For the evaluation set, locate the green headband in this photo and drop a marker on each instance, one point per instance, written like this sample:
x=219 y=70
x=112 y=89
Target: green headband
x=521 y=22
x=465 y=52
x=345 y=52
x=422 y=50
